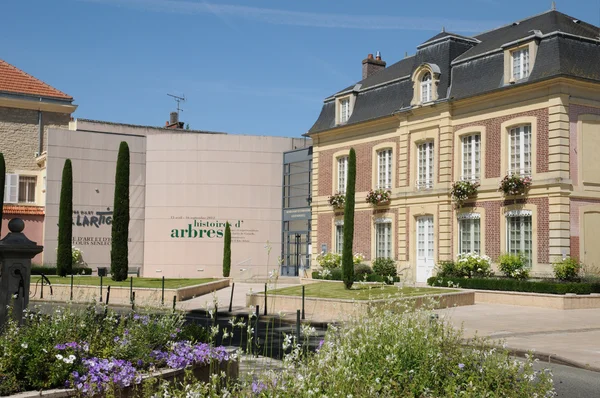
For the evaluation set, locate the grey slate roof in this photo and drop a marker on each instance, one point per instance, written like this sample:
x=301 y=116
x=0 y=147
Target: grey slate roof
x=475 y=65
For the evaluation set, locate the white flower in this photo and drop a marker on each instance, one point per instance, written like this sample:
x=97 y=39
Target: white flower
x=59 y=357
x=24 y=345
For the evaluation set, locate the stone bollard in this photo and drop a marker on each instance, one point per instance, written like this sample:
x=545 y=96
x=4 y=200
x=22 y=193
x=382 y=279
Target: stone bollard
x=16 y=252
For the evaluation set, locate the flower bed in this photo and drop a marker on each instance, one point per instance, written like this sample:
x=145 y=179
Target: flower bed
x=94 y=353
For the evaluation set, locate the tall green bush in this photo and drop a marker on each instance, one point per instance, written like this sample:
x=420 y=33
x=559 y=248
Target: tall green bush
x=2 y=182
x=227 y=251
x=119 y=252
x=567 y=269
x=513 y=265
x=64 y=253
x=347 y=257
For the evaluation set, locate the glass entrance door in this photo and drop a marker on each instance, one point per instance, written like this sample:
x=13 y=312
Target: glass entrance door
x=296 y=258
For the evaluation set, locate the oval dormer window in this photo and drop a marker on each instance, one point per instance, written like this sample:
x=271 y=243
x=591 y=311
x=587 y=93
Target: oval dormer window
x=426 y=88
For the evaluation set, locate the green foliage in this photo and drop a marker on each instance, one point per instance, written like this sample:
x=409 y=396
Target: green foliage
x=347 y=257
x=336 y=275
x=227 y=251
x=36 y=270
x=337 y=200
x=513 y=265
x=2 y=182
x=513 y=285
x=446 y=269
x=361 y=271
x=514 y=184
x=28 y=352
x=384 y=266
x=64 y=252
x=119 y=252
x=463 y=190
x=473 y=265
x=378 y=196
x=567 y=269
x=329 y=260
x=194 y=333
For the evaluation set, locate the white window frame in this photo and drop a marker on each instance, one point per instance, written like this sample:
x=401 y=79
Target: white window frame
x=426 y=85
x=339 y=236
x=425 y=165
x=520 y=133
x=32 y=180
x=383 y=238
x=524 y=217
x=471 y=146
x=520 y=63
x=384 y=168
x=11 y=188
x=473 y=222
x=345 y=111
x=342 y=173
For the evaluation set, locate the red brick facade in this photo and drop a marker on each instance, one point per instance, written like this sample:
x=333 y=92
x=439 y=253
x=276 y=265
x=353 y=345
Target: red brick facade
x=493 y=140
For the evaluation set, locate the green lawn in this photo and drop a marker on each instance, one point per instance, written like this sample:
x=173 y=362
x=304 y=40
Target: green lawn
x=137 y=282
x=358 y=291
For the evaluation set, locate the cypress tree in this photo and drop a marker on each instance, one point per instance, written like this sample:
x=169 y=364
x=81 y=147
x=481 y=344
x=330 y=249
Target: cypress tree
x=2 y=182
x=119 y=251
x=227 y=251
x=64 y=254
x=347 y=256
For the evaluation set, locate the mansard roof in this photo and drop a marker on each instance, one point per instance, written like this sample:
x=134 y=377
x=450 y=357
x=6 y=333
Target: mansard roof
x=471 y=66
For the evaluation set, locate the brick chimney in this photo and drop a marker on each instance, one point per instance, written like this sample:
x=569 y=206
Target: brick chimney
x=372 y=65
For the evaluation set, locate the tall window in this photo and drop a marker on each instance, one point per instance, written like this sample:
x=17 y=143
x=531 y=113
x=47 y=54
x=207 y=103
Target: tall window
x=471 y=157
x=383 y=238
x=519 y=233
x=342 y=173
x=11 y=188
x=339 y=237
x=426 y=88
x=520 y=63
x=519 y=153
x=469 y=231
x=27 y=189
x=384 y=167
x=344 y=110
x=425 y=165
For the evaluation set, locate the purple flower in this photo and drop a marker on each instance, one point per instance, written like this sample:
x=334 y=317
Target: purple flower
x=60 y=347
x=258 y=387
x=461 y=366
x=320 y=344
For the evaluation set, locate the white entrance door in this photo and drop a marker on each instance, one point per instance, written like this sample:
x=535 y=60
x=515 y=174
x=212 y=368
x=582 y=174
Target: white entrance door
x=424 y=248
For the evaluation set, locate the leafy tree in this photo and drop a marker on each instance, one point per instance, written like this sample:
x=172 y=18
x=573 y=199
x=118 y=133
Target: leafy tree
x=119 y=252
x=347 y=257
x=227 y=251
x=2 y=181
x=64 y=254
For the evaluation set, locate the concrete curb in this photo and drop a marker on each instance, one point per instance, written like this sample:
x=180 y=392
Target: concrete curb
x=552 y=358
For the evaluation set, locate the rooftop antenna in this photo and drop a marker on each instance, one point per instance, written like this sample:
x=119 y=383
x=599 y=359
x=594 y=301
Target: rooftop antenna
x=178 y=100
x=553 y=6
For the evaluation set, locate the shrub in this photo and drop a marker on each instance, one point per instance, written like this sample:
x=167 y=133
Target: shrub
x=473 y=264
x=329 y=260
x=513 y=265
x=384 y=266
x=38 y=270
x=361 y=271
x=513 y=285
x=463 y=190
x=514 y=184
x=347 y=257
x=64 y=252
x=227 y=251
x=567 y=269
x=446 y=269
x=119 y=251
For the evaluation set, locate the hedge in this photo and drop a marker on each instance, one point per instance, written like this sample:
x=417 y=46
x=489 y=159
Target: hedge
x=513 y=285
x=336 y=275
x=36 y=270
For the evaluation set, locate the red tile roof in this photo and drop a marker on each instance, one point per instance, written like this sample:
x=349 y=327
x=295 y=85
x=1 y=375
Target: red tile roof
x=14 y=80
x=23 y=210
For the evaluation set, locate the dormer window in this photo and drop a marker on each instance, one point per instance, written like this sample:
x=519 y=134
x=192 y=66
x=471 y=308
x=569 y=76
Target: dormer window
x=520 y=63
x=426 y=88
x=344 y=110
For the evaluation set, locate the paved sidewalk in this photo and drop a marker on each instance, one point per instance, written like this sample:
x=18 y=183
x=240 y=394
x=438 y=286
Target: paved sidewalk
x=569 y=335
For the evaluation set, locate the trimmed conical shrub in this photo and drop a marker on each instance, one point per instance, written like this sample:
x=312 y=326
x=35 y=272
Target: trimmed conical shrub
x=64 y=253
x=227 y=251
x=119 y=251
x=347 y=254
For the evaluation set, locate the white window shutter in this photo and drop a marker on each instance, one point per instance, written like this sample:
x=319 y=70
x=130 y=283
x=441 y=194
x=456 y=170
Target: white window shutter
x=11 y=188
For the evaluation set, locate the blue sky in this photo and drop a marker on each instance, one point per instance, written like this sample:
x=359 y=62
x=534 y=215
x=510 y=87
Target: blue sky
x=246 y=67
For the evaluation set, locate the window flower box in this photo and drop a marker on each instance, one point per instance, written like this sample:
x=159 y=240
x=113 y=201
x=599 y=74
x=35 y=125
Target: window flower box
x=379 y=197
x=463 y=190
x=515 y=184
x=337 y=200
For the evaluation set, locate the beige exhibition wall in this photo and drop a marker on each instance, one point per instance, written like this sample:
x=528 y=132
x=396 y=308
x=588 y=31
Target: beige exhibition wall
x=197 y=182
x=94 y=159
